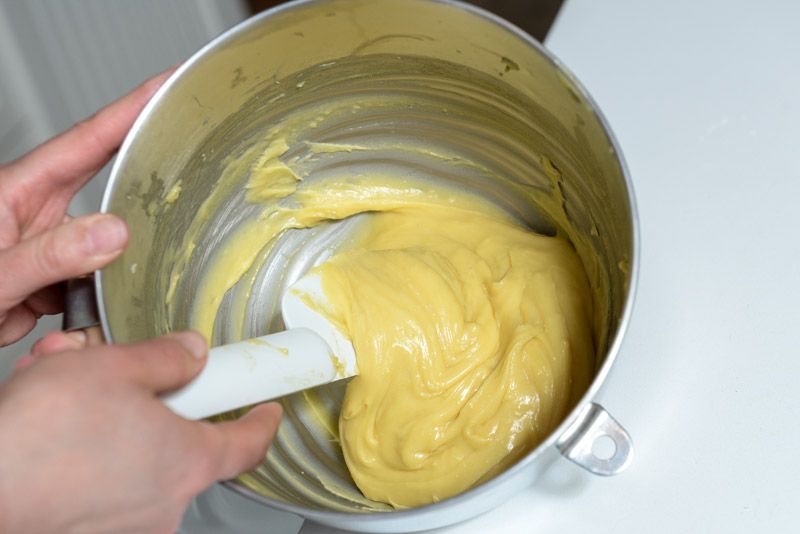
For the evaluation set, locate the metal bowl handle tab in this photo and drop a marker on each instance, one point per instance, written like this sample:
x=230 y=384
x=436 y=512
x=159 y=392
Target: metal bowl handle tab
x=80 y=304
x=578 y=443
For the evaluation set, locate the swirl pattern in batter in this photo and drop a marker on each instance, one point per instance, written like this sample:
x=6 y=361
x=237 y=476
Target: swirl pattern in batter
x=472 y=332
x=472 y=337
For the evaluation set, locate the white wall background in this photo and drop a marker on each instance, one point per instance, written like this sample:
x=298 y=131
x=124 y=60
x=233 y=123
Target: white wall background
x=61 y=60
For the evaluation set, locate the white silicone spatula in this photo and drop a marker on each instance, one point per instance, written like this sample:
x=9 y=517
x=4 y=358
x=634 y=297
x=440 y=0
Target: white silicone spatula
x=311 y=352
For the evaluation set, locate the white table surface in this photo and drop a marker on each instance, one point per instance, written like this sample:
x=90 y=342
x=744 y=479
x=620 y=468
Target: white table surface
x=703 y=97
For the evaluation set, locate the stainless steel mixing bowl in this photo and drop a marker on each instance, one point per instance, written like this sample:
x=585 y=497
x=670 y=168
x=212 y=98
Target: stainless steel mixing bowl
x=416 y=80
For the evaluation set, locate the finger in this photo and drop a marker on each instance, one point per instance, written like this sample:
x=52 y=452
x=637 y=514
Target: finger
x=94 y=336
x=24 y=362
x=73 y=157
x=66 y=251
x=47 y=301
x=15 y=324
x=58 y=341
x=167 y=363
x=238 y=446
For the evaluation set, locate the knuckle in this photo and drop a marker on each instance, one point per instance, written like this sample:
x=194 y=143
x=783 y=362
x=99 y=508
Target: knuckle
x=168 y=355
x=178 y=356
x=159 y=362
x=48 y=257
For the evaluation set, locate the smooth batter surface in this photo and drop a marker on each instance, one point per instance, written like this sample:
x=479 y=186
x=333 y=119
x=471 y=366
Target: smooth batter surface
x=472 y=333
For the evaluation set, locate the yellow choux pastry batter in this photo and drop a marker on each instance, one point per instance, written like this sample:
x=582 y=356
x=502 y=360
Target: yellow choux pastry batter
x=472 y=333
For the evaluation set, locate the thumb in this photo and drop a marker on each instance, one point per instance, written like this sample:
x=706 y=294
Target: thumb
x=238 y=446
x=66 y=251
x=163 y=364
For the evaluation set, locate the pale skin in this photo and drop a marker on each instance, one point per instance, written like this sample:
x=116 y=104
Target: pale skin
x=87 y=445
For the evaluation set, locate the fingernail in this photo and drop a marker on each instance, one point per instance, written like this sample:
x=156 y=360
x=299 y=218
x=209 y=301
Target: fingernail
x=193 y=342
x=78 y=337
x=275 y=406
x=106 y=234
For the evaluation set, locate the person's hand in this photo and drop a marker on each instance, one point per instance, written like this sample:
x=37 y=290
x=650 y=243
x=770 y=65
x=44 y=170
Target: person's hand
x=88 y=447
x=39 y=247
